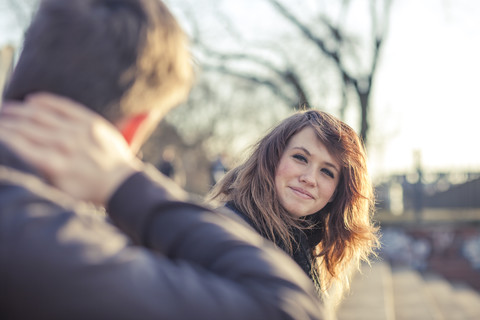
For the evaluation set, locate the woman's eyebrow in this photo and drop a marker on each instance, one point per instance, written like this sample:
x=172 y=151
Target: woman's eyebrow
x=329 y=164
x=303 y=149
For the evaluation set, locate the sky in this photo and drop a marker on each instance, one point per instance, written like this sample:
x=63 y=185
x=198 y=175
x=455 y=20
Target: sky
x=425 y=97
x=426 y=94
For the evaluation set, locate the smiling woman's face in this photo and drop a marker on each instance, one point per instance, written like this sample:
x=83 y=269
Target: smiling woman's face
x=307 y=174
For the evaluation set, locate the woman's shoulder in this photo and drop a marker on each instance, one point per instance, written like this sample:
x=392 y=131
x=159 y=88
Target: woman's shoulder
x=233 y=208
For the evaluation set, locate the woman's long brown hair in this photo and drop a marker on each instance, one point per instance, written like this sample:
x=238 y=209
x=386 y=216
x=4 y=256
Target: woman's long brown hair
x=347 y=233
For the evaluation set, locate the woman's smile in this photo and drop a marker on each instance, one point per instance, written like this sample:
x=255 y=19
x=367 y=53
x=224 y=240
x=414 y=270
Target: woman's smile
x=302 y=193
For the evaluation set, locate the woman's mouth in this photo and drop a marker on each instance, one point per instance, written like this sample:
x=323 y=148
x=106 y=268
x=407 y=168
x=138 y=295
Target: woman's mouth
x=302 y=193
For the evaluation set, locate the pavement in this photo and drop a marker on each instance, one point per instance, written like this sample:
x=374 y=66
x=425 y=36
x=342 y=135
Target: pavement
x=380 y=293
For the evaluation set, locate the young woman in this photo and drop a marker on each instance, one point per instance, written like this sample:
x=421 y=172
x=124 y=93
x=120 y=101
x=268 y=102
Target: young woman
x=306 y=188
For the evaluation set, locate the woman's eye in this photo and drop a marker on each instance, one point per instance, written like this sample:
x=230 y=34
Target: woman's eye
x=328 y=173
x=300 y=158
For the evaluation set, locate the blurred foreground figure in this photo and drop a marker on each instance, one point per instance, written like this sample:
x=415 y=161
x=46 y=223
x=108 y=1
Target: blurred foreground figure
x=164 y=257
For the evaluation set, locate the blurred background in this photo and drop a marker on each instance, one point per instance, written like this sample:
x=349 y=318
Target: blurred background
x=403 y=74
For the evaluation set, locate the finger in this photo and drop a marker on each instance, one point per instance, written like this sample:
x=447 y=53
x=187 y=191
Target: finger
x=10 y=104
x=19 y=128
x=33 y=115
x=36 y=155
x=74 y=115
x=62 y=106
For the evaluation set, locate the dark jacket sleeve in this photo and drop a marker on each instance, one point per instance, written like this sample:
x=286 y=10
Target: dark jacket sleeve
x=60 y=262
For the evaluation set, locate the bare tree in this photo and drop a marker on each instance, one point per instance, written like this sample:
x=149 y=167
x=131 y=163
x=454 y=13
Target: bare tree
x=220 y=117
x=341 y=49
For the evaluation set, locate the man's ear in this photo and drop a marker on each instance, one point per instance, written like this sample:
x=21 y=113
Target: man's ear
x=128 y=127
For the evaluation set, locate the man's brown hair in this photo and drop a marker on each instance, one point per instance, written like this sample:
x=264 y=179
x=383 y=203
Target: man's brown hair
x=118 y=57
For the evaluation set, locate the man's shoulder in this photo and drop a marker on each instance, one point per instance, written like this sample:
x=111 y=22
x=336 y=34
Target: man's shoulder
x=24 y=195
x=15 y=182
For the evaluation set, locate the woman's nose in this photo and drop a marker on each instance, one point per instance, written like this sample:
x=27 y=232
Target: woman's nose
x=308 y=177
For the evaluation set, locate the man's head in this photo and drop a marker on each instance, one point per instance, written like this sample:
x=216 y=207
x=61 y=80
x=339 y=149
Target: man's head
x=125 y=59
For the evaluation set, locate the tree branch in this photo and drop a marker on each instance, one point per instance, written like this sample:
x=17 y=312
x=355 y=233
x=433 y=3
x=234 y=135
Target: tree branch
x=253 y=78
x=332 y=54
